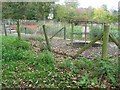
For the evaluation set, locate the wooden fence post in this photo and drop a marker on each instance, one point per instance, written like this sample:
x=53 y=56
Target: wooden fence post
x=25 y=31
x=105 y=41
x=72 y=27
x=85 y=32
x=64 y=32
x=46 y=38
x=4 y=28
x=18 y=29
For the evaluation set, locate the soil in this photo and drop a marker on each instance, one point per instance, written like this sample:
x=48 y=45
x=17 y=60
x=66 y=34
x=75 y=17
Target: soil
x=63 y=47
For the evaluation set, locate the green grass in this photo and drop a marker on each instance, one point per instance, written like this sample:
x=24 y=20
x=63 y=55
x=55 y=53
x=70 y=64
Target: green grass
x=24 y=68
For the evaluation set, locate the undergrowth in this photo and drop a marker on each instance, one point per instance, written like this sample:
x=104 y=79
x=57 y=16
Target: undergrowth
x=24 y=68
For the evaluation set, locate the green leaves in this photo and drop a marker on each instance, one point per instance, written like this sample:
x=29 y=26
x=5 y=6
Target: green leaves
x=14 y=49
x=21 y=10
x=22 y=67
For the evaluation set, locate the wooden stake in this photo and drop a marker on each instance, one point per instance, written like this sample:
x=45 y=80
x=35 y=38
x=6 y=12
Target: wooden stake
x=105 y=41
x=5 y=28
x=72 y=27
x=88 y=45
x=46 y=38
x=85 y=32
x=18 y=30
x=64 y=32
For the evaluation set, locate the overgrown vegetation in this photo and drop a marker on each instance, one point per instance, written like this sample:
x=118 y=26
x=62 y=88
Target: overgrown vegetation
x=24 y=68
x=25 y=64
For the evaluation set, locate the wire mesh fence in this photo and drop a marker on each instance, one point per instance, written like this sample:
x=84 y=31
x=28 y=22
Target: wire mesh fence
x=34 y=28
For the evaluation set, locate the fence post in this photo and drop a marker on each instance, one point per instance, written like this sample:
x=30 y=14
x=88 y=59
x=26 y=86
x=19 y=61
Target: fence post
x=4 y=28
x=72 y=27
x=64 y=32
x=46 y=38
x=105 y=41
x=18 y=29
x=85 y=32
x=25 y=31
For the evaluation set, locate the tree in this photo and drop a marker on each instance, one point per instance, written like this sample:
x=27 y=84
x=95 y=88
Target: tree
x=16 y=11
x=114 y=15
x=59 y=12
x=25 y=10
x=84 y=13
x=42 y=9
x=101 y=15
x=30 y=11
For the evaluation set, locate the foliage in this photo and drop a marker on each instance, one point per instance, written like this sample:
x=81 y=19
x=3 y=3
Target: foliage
x=95 y=31
x=91 y=71
x=14 y=49
x=17 y=10
x=46 y=57
x=26 y=10
x=67 y=12
x=27 y=69
x=114 y=31
x=102 y=15
x=23 y=64
x=109 y=70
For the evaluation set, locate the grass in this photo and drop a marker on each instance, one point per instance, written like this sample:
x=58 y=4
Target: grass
x=24 y=68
